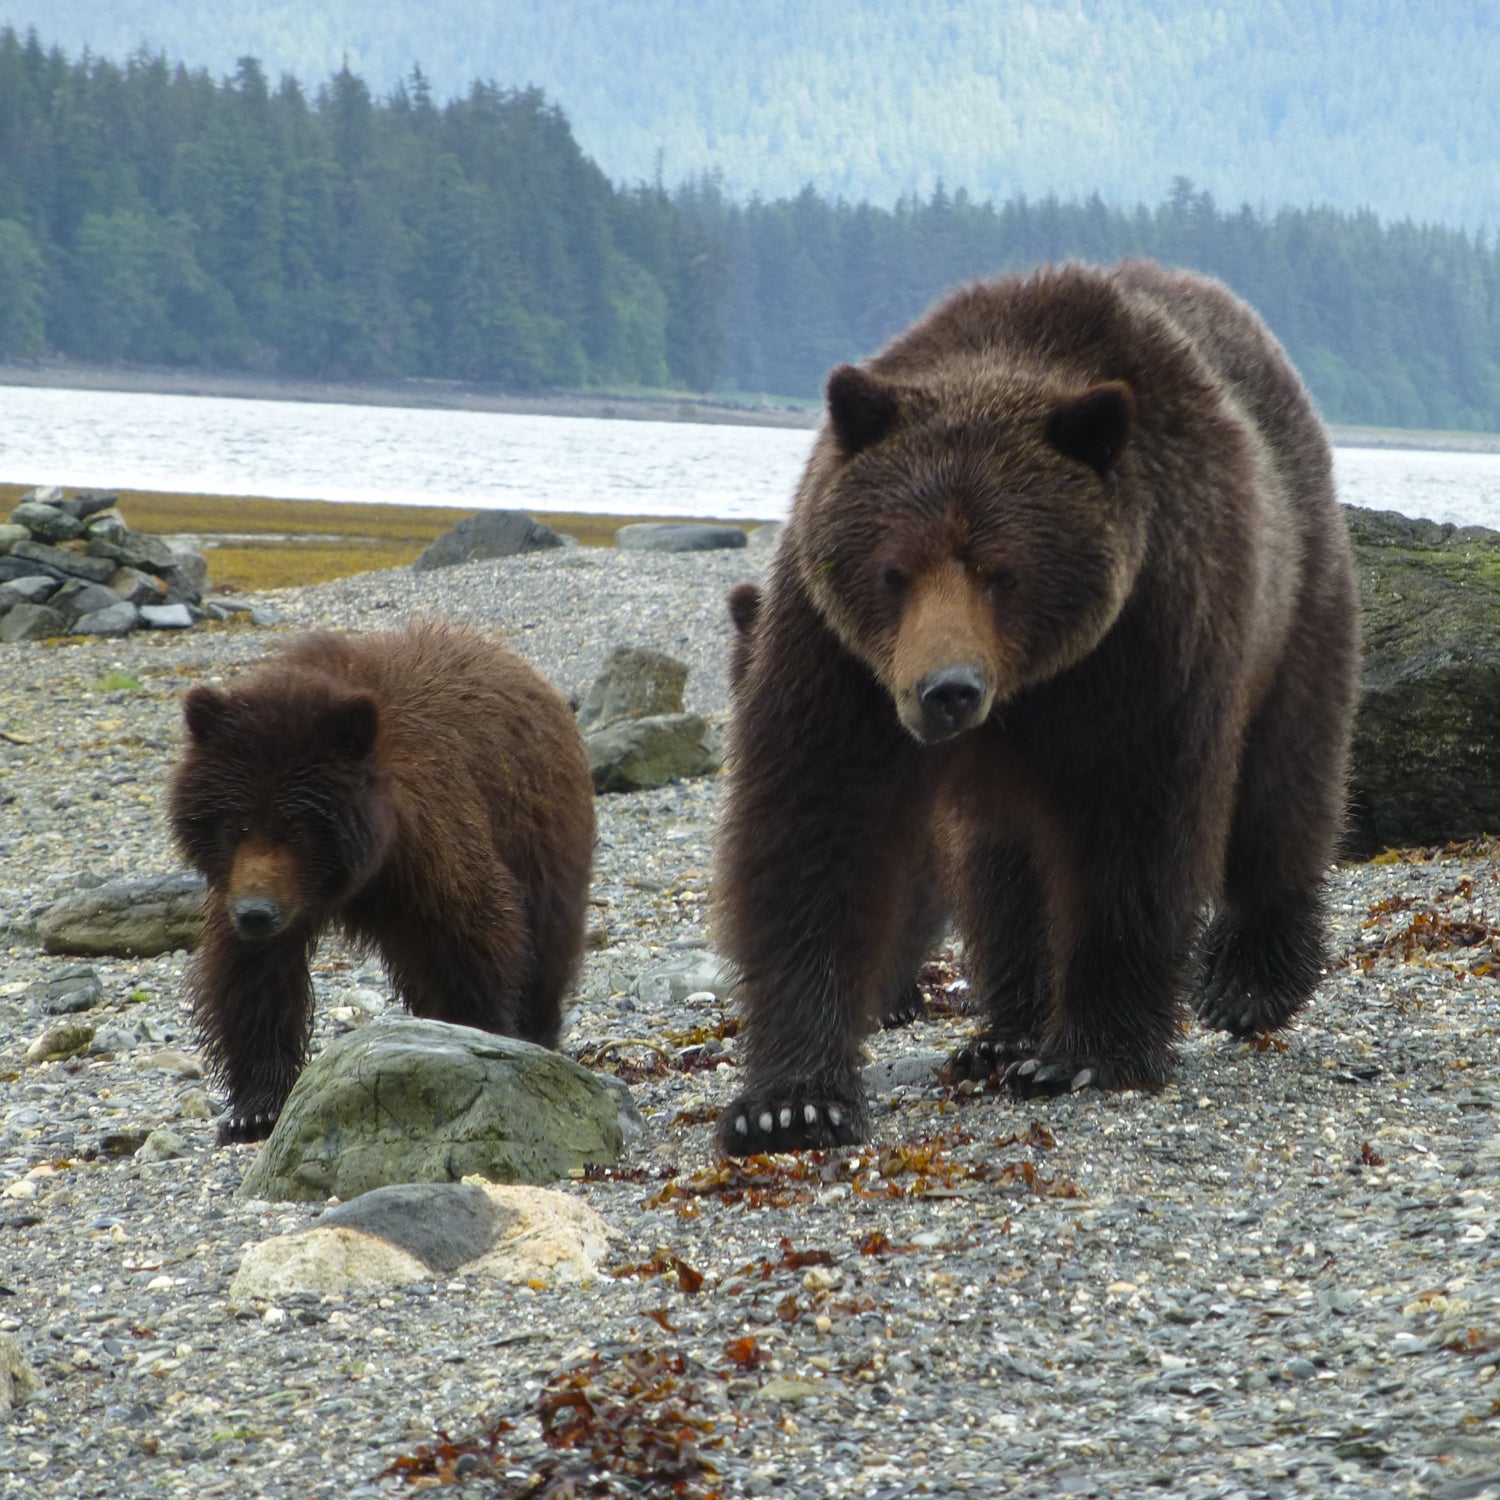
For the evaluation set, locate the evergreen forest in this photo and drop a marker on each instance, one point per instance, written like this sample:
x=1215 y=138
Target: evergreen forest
x=154 y=214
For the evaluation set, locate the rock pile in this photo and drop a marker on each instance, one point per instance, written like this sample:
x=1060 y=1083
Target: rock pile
x=73 y=567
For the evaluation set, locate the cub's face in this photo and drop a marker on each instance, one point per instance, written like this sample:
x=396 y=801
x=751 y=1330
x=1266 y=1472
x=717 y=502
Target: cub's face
x=966 y=555
x=272 y=803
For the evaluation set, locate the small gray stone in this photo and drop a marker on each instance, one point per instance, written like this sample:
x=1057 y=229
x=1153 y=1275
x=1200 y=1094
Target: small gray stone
x=88 y=503
x=47 y=523
x=119 y=618
x=491 y=533
x=161 y=1145
x=632 y=1122
x=32 y=622
x=635 y=684
x=166 y=616
x=133 y=550
x=77 y=598
x=95 y=569
x=673 y=536
x=636 y=754
x=34 y=588
x=18 y=1381
x=127 y=918
x=691 y=973
x=114 y=1038
x=138 y=587
x=62 y=1039
x=444 y=1225
x=76 y=989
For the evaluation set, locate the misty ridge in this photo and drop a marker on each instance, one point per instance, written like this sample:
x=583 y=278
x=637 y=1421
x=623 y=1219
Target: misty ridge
x=324 y=226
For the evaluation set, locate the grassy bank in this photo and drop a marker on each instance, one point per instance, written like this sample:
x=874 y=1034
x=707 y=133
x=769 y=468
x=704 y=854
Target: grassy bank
x=255 y=543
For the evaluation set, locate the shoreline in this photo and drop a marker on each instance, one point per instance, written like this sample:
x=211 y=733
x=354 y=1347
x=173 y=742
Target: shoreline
x=447 y=395
x=458 y=395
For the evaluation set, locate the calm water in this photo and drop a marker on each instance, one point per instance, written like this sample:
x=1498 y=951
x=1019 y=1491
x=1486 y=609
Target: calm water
x=306 y=451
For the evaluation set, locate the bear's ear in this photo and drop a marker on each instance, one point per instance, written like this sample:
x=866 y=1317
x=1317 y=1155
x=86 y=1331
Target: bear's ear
x=1094 y=427
x=204 y=711
x=352 y=725
x=862 y=407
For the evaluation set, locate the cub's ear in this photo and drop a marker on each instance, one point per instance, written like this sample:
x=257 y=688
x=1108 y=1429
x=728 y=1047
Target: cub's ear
x=204 y=711
x=744 y=606
x=1094 y=427
x=352 y=725
x=863 y=408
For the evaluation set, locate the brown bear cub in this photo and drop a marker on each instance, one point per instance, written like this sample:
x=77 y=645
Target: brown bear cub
x=426 y=791
x=1059 y=641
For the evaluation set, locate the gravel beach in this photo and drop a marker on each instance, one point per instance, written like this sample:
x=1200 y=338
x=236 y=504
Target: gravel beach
x=1279 y=1276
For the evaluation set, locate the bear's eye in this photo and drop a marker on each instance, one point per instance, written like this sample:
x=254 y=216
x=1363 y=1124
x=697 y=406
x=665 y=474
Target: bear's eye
x=893 y=577
x=999 y=581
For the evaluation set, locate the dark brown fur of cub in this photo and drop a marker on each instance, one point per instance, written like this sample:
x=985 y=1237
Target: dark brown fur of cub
x=1061 y=638
x=426 y=791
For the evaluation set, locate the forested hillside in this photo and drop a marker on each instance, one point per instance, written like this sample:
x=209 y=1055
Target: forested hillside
x=1392 y=105
x=154 y=214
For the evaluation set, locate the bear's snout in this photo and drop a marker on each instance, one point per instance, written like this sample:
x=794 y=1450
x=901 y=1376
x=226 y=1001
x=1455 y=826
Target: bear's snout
x=257 y=918
x=951 y=700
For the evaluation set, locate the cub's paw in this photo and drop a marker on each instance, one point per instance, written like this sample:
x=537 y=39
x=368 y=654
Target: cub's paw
x=792 y=1119
x=904 y=1007
x=983 y=1056
x=237 y=1129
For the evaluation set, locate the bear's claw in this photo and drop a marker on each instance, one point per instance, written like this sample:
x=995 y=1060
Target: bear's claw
x=1032 y=1078
x=237 y=1129
x=751 y=1126
x=903 y=1008
x=982 y=1057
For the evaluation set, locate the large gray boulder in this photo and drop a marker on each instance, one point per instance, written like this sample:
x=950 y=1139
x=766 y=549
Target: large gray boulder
x=634 y=684
x=491 y=533
x=1426 y=763
x=127 y=918
x=410 y=1100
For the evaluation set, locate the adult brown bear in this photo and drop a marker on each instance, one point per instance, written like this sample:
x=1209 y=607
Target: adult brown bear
x=425 y=790
x=1064 y=619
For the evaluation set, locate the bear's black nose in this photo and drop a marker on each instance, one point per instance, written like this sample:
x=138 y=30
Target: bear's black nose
x=950 y=699
x=256 y=917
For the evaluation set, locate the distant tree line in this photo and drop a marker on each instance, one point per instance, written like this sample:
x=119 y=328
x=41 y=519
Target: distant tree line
x=1393 y=325
x=152 y=214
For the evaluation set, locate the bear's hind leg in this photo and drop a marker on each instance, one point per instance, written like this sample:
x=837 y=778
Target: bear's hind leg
x=1000 y=917
x=923 y=930
x=1264 y=950
x=253 y=1005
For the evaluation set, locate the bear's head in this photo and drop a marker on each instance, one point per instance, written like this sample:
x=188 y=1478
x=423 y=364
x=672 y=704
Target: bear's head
x=277 y=799
x=968 y=540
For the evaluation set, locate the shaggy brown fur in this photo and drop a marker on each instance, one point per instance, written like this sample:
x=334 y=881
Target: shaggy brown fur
x=1065 y=595
x=423 y=789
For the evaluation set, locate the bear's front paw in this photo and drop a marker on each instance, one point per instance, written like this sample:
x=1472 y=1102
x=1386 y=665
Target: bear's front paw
x=1244 y=1014
x=982 y=1057
x=792 y=1120
x=1033 y=1078
x=237 y=1129
x=904 y=1007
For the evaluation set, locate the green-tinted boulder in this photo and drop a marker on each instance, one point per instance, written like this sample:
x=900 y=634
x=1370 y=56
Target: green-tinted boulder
x=1426 y=763
x=635 y=755
x=410 y=1100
